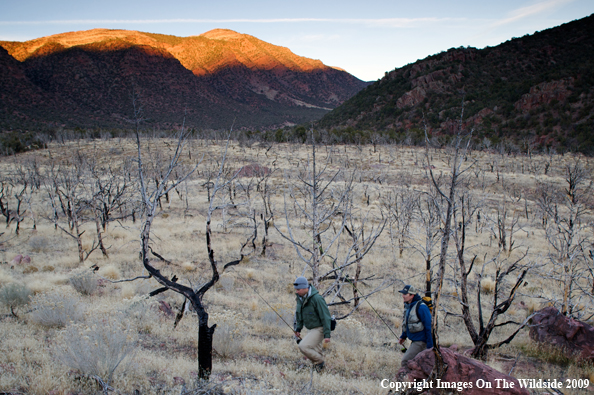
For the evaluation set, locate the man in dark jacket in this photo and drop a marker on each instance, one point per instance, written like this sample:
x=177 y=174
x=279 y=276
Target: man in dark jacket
x=312 y=312
x=416 y=324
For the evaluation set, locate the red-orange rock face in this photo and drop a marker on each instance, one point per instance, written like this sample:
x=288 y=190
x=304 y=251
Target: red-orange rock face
x=213 y=78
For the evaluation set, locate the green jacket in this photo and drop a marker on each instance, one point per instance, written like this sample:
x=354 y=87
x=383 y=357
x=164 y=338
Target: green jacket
x=312 y=312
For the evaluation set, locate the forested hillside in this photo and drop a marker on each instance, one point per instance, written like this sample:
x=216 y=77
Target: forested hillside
x=532 y=91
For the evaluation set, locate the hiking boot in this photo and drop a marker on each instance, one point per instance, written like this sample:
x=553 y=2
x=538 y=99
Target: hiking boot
x=319 y=367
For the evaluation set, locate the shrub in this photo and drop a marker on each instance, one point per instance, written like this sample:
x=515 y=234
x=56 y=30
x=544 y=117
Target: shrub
x=188 y=266
x=97 y=350
x=56 y=310
x=30 y=269
x=14 y=295
x=85 y=283
x=110 y=271
x=227 y=340
x=17 y=142
x=488 y=286
x=38 y=243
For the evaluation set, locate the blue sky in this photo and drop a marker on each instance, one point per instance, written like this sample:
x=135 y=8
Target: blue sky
x=366 y=38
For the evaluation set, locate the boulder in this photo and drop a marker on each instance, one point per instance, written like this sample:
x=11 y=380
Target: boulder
x=26 y=259
x=574 y=338
x=463 y=375
x=253 y=170
x=17 y=259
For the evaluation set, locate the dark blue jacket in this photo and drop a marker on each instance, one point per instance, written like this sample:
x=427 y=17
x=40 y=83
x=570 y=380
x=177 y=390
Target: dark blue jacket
x=425 y=317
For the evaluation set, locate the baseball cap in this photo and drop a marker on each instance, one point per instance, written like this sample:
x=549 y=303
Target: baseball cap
x=408 y=289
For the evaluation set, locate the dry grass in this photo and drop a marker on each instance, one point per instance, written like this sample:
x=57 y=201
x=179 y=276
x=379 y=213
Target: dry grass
x=111 y=272
x=56 y=309
x=255 y=351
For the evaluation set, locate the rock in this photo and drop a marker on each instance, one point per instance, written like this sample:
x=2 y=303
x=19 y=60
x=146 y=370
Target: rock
x=253 y=170
x=17 y=259
x=166 y=309
x=179 y=381
x=573 y=337
x=544 y=93
x=460 y=370
x=411 y=98
x=26 y=259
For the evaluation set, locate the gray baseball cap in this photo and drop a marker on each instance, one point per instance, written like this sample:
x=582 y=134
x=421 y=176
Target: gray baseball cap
x=301 y=283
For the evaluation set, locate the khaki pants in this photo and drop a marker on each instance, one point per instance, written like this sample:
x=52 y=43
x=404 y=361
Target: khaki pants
x=413 y=350
x=311 y=345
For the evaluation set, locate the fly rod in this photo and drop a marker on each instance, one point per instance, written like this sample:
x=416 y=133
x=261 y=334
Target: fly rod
x=267 y=304
x=375 y=311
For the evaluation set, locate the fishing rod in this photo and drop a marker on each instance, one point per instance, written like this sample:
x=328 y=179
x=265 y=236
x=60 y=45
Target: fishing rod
x=375 y=311
x=271 y=308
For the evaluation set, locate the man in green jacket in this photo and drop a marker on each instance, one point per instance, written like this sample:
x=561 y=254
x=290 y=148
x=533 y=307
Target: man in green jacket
x=312 y=312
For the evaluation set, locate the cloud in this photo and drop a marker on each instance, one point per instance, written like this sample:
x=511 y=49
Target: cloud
x=528 y=11
x=399 y=22
x=319 y=37
x=378 y=22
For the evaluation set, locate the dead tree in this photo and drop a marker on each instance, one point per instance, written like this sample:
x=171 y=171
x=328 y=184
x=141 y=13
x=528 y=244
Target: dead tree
x=503 y=294
x=363 y=229
x=5 y=193
x=111 y=194
x=445 y=192
x=266 y=188
x=426 y=212
x=567 y=236
x=400 y=205
x=18 y=215
x=320 y=204
x=506 y=221
x=334 y=229
x=150 y=199
x=13 y=196
x=25 y=181
x=66 y=187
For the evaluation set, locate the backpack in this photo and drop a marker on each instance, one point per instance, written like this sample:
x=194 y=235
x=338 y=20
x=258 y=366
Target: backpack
x=428 y=302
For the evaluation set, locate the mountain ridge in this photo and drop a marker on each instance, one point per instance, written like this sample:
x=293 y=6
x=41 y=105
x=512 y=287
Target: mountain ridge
x=536 y=90
x=175 y=46
x=233 y=75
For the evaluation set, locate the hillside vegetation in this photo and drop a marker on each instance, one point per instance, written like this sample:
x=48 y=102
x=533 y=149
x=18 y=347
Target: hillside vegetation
x=533 y=91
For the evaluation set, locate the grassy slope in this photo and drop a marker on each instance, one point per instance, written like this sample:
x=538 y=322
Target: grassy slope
x=250 y=342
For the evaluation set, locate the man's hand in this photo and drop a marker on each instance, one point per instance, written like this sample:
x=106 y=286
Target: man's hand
x=298 y=334
x=401 y=340
x=326 y=340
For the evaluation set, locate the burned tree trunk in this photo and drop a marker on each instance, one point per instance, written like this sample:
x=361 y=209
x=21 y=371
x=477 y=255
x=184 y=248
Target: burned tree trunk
x=205 y=336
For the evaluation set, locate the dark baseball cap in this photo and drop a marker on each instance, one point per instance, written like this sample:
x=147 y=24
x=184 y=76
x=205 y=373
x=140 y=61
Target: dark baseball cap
x=408 y=289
